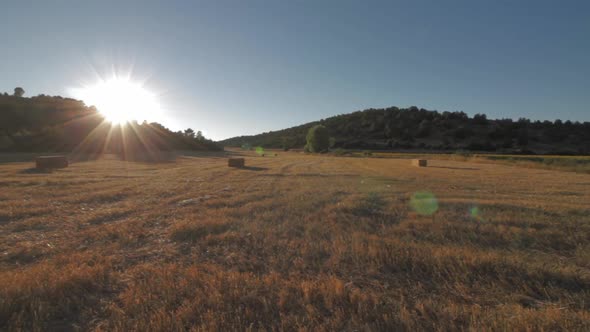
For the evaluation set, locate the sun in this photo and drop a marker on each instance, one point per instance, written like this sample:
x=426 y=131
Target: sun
x=121 y=100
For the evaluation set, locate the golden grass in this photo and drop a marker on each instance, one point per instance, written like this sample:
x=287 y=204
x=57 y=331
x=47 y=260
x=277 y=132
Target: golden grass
x=294 y=242
x=579 y=164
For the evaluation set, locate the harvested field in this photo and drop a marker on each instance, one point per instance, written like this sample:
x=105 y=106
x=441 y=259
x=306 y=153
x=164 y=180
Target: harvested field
x=293 y=242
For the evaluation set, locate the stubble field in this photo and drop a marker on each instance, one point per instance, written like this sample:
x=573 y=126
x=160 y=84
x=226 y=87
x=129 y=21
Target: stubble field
x=293 y=242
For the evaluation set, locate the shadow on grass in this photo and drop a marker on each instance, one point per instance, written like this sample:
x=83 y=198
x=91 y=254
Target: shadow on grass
x=101 y=219
x=4 y=218
x=457 y=168
x=194 y=232
x=34 y=170
x=254 y=168
x=372 y=205
x=311 y=175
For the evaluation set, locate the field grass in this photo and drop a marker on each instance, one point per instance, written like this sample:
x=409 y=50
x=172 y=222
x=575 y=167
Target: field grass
x=293 y=242
x=579 y=164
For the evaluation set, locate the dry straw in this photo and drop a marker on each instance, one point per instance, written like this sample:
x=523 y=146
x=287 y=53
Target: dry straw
x=48 y=162
x=236 y=162
x=420 y=162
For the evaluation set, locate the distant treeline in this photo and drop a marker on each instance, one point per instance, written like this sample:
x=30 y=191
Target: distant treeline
x=56 y=124
x=419 y=129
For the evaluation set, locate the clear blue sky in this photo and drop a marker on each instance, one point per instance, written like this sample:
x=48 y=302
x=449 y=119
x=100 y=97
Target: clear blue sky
x=242 y=67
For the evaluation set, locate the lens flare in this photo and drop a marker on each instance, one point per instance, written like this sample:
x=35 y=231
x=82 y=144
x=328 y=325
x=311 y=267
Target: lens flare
x=121 y=100
x=259 y=150
x=475 y=213
x=424 y=203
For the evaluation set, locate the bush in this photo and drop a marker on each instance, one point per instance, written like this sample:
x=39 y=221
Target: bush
x=6 y=142
x=463 y=133
x=464 y=153
x=318 y=139
x=481 y=146
x=340 y=152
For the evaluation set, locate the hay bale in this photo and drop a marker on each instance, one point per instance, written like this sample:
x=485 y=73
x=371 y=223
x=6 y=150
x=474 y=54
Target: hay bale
x=420 y=162
x=236 y=162
x=49 y=162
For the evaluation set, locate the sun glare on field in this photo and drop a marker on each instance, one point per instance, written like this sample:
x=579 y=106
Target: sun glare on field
x=121 y=100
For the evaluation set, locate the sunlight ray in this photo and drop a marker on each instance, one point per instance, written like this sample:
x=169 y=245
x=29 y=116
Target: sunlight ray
x=121 y=99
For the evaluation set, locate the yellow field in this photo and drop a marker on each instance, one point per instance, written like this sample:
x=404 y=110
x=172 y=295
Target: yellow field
x=579 y=164
x=293 y=242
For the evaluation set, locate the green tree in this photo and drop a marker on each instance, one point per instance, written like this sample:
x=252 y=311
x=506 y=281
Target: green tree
x=189 y=133
x=318 y=139
x=523 y=138
x=19 y=92
x=5 y=142
x=424 y=128
x=480 y=119
x=288 y=142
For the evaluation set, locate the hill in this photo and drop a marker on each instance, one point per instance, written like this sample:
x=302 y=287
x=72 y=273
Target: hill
x=413 y=128
x=57 y=124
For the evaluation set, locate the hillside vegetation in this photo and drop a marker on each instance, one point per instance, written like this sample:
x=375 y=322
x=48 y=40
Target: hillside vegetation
x=412 y=128
x=56 y=124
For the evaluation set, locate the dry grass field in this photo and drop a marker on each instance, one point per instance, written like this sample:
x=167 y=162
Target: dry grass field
x=293 y=242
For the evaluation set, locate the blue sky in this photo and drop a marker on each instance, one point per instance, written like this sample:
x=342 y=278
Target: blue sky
x=242 y=67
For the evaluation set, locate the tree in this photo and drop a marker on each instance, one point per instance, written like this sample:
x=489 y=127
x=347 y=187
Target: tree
x=424 y=128
x=523 y=138
x=318 y=139
x=288 y=142
x=189 y=133
x=462 y=133
x=19 y=92
x=332 y=142
x=5 y=142
x=480 y=119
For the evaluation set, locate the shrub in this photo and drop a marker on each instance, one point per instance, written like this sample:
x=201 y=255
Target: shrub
x=6 y=142
x=318 y=139
x=339 y=152
x=481 y=146
x=463 y=153
x=463 y=133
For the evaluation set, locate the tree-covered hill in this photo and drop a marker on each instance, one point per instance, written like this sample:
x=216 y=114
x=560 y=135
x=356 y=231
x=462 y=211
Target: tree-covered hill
x=413 y=128
x=56 y=124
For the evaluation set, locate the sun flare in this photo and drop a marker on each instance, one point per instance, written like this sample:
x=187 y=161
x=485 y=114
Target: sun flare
x=121 y=100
